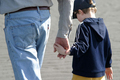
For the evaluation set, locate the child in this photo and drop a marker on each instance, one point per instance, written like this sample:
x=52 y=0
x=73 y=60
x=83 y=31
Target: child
x=91 y=50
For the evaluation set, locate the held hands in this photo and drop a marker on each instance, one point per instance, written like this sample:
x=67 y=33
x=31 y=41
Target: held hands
x=109 y=73
x=60 y=49
x=64 y=43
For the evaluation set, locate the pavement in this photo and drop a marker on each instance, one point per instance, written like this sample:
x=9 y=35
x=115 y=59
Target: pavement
x=60 y=69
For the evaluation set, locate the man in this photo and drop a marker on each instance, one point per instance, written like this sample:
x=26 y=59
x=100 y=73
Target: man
x=27 y=26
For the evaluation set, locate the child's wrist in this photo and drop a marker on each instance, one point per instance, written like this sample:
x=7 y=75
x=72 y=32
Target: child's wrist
x=67 y=52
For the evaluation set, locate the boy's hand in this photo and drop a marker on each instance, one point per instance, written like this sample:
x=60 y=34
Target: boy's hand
x=109 y=73
x=60 y=49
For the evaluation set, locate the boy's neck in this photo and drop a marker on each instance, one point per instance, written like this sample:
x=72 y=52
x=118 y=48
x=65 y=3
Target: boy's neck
x=90 y=15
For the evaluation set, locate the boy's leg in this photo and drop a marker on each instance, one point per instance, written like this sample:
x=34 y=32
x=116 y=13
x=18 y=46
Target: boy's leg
x=77 y=77
x=99 y=78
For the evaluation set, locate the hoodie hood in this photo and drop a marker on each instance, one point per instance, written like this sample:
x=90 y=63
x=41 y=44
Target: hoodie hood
x=98 y=27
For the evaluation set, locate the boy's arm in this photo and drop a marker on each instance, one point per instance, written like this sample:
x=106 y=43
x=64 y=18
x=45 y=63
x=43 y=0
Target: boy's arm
x=109 y=73
x=82 y=44
x=108 y=52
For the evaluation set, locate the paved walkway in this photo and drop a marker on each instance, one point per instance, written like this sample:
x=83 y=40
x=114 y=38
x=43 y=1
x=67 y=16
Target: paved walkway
x=60 y=69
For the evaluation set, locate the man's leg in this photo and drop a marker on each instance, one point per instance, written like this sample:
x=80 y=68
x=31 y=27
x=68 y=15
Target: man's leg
x=21 y=33
x=43 y=34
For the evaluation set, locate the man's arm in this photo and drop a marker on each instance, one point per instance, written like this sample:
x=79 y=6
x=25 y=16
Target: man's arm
x=65 y=8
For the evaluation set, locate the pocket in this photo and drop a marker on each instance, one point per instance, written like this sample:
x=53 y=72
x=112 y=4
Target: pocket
x=23 y=36
x=44 y=14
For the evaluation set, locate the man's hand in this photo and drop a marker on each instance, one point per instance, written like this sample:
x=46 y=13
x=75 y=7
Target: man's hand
x=109 y=73
x=64 y=43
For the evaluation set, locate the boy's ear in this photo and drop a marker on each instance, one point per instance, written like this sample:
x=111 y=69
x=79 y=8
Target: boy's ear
x=80 y=11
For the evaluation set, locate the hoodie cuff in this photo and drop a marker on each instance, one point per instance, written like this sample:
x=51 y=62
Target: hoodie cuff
x=73 y=51
x=108 y=65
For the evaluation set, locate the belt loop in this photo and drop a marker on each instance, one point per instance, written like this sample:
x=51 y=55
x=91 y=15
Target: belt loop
x=39 y=12
x=38 y=9
x=7 y=14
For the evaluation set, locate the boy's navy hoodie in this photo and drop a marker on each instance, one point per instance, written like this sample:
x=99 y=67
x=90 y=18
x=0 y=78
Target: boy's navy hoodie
x=91 y=50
